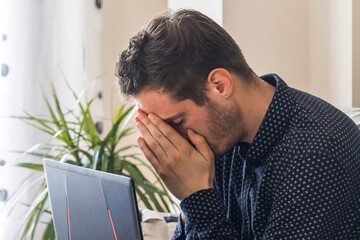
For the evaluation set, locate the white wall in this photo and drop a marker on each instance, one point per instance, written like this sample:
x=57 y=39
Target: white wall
x=307 y=42
x=42 y=37
x=211 y=8
x=21 y=23
x=273 y=35
x=121 y=20
x=331 y=50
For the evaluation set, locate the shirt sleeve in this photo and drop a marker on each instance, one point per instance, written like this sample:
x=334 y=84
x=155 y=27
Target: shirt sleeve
x=205 y=218
x=179 y=231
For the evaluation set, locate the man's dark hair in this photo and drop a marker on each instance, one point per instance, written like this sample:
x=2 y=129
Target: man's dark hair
x=175 y=52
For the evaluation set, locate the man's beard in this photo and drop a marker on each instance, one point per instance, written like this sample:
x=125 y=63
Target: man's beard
x=223 y=126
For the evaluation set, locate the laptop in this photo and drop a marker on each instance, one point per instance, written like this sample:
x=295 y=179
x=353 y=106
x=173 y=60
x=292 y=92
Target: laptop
x=90 y=204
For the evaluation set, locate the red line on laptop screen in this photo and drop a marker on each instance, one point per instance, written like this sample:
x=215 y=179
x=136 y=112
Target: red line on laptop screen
x=68 y=215
x=112 y=224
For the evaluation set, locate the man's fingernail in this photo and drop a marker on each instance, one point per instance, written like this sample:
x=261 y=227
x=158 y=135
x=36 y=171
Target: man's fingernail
x=139 y=124
x=151 y=116
x=142 y=115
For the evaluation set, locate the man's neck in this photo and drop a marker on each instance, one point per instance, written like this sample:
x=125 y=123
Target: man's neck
x=258 y=98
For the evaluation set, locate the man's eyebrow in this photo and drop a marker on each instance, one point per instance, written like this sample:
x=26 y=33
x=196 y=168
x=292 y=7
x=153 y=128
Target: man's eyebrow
x=170 y=119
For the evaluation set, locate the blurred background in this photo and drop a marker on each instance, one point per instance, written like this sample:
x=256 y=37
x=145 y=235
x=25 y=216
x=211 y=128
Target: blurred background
x=314 y=45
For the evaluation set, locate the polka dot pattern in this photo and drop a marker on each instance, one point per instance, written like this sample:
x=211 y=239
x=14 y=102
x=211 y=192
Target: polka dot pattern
x=299 y=179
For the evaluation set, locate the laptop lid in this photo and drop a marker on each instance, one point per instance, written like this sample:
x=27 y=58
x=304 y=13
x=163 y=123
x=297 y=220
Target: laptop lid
x=90 y=204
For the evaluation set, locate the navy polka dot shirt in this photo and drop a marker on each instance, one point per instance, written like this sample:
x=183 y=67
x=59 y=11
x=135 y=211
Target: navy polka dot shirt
x=299 y=179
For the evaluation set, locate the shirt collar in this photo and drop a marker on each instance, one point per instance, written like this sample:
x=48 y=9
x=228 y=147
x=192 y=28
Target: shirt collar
x=275 y=123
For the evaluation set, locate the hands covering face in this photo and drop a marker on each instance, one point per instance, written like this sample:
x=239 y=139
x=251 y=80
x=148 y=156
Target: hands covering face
x=183 y=168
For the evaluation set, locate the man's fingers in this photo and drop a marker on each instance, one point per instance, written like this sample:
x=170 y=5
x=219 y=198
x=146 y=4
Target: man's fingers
x=170 y=133
x=151 y=142
x=204 y=149
x=201 y=144
x=150 y=156
x=165 y=143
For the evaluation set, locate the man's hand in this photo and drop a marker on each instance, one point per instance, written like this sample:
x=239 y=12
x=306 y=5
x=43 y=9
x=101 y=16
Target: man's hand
x=183 y=168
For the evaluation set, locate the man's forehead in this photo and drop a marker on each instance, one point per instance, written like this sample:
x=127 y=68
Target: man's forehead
x=159 y=103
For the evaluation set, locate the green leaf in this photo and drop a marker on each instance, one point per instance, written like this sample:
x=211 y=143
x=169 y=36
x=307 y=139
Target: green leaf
x=166 y=205
x=124 y=133
x=40 y=155
x=49 y=121
x=150 y=188
x=125 y=148
x=114 y=129
x=95 y=159
x=41 y=122
x=69 y=153
x=32 y=211
x=155 y=201
x=51 y=111
x=88 y=155
x=39 y=128
x=156 y=176
x=28 y=224
x=58 y=135
x=118 y=113
x=129 y=115
x=40 y=212
x=104 y=163
x=88 y=125
x=143 y=198
x=139 y=179
x=49 y=232
x=67 y=84
x=66 y=133
x=21 y=191
x=135 y=173
x=33 y=166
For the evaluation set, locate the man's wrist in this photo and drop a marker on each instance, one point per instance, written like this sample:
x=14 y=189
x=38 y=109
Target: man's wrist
x=188 y=194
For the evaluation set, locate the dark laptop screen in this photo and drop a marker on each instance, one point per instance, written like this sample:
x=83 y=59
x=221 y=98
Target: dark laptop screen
x=89 y=204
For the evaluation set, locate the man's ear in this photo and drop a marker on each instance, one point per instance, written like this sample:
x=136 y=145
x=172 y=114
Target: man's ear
x=221 y=81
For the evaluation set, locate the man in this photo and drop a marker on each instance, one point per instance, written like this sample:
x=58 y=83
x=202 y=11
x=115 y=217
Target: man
x=248 y=156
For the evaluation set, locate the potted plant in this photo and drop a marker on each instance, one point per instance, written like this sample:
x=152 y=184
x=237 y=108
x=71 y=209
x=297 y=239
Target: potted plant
x=74 y=139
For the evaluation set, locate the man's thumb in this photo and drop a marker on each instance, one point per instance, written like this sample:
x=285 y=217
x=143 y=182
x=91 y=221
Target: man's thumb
x=201 y=144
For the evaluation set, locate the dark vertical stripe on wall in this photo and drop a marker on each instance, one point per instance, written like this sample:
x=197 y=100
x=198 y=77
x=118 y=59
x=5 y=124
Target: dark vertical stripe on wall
x=98 y=4
x=3 y=195
x=4 y=67
x=4 y=70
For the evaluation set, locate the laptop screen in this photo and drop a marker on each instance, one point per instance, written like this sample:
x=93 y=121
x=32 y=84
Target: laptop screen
x=90 y=204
